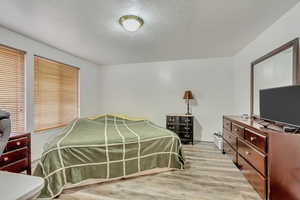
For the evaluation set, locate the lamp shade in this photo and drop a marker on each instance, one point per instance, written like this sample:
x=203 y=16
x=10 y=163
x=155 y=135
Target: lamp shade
x=188 y=95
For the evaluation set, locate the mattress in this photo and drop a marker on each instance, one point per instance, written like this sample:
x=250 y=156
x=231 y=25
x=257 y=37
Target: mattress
x=106 y=147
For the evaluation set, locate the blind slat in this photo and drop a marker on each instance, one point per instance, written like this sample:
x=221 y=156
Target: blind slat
x=56 y=94
x=12 y=86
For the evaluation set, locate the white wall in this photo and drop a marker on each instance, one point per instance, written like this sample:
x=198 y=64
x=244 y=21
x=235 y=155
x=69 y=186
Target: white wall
x=153 y=90
x=89 y=95
x=282 y=31
x=149 y=90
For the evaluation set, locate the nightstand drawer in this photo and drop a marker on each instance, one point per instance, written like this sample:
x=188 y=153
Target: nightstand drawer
x=186 y=120
x=186 y=135
x=172 y=120
x=16 y=144
x=17 y=154
x=16 y=167
x=186 y=128
x=13 y=156
x=171 y=127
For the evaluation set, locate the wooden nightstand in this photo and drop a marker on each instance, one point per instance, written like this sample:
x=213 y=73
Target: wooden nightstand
x=17 y=154
x=183 y=126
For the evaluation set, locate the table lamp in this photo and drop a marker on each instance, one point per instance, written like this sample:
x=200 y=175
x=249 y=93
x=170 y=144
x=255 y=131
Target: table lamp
x=187 y=96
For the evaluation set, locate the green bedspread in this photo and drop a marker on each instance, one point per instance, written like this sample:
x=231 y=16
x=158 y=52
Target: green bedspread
x=106 y=147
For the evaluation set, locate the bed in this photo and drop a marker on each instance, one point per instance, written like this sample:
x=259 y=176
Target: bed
x=106 y=147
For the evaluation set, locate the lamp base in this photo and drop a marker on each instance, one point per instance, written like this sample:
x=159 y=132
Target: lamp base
x=188 y=108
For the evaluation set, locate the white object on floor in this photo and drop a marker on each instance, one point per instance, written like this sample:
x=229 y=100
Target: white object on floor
x=19 y=186
x=218 y=140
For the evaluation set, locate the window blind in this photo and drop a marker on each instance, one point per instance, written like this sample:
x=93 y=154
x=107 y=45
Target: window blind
x=56 y=94
x=12 y=86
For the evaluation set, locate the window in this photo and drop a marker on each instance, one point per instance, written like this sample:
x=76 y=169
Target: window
x=55 y=95
x=12 y=86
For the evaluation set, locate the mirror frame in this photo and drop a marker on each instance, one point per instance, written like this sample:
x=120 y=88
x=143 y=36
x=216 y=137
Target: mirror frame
x=294 y=44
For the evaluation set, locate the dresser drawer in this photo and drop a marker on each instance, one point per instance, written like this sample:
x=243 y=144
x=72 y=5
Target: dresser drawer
x=227 y=124
x=171 y=127
x=16 y=144
x=186 y=128
x=238 y=130
x=256 y=158
x=258 y=140
x=16 y=167
x=230 y=152
x=13 y=156
x=185 y=120
x=186 y=135
x=172 y=120
x=258 y=182
x=230 y=138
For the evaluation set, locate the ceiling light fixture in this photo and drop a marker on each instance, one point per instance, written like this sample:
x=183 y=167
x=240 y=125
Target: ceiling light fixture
x=131 y=23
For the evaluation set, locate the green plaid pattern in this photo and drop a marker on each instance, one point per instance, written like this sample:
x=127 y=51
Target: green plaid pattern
x=105 y=148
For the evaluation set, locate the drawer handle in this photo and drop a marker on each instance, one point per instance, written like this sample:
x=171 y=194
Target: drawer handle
x=186 y=128
x=18 y=143
x=247 y=153
x=5 y=159
x=252 y=139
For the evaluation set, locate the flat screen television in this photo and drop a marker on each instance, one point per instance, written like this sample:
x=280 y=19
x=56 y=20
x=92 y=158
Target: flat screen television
x=281 y=105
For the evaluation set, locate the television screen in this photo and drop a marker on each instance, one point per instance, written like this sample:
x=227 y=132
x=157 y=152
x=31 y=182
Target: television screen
x=281 y=105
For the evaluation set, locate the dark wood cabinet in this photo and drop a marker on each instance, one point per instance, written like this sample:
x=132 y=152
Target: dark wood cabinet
x=256 y=158
x=258 y=181
x=268 y=158
x=183 y=126
x=247 y=146
x=17 y=154
x=231 y=152
x=284 y=171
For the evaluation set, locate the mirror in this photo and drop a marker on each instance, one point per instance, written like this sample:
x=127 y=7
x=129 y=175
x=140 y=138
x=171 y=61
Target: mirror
x=276 y=69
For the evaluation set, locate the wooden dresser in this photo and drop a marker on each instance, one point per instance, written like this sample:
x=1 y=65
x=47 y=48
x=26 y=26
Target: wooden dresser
x=269 y=159
x=183 y=126
x=17 y=154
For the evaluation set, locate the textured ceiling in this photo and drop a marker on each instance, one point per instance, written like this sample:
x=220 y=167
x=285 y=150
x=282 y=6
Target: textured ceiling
x=173 y=29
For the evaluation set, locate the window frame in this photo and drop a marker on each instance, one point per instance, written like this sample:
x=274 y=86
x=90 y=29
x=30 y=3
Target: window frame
x=33 y=99
x=25 y=125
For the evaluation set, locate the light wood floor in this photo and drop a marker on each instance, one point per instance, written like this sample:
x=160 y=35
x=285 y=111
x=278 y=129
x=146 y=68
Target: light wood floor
x=209 y=175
